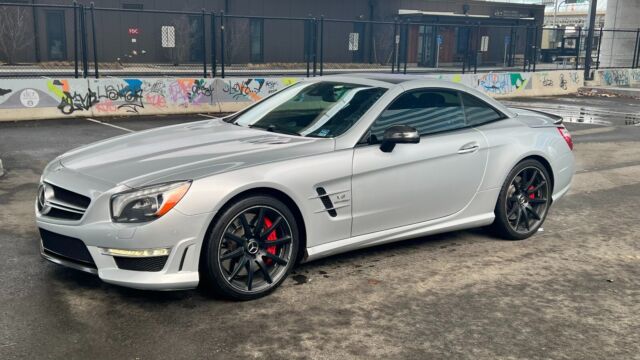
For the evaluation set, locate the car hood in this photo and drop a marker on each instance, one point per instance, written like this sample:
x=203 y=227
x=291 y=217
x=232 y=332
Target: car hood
x=186 y=151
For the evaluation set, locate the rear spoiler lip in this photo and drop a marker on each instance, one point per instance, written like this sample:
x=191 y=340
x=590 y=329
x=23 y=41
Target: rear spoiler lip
x=557 y=120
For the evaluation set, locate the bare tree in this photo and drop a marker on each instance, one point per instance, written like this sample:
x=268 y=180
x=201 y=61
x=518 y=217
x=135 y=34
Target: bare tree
x=383 y=44
x=13 y=32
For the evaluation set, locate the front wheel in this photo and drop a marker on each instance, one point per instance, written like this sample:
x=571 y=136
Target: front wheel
x=251 y=249
x=523 y=202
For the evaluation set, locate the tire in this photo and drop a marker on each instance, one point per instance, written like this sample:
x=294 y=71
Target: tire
x=245 y=267
x=523 y=202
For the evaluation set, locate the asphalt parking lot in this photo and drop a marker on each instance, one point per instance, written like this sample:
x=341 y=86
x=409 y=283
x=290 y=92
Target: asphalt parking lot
x=570 y=292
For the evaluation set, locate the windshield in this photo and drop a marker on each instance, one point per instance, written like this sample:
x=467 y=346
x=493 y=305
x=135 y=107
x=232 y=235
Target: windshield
x=323 y=109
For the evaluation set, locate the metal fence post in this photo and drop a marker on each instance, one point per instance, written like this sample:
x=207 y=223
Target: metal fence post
x=222 y=46
x=75 y=38
x=599 y=43
x=535 y=47
x=476 y=52
x=406 y=46
x=638 y=51
x=513 y=36
x=36 y=33
x=93 y=39
x=85 y=66
x=204 y=46
x=321 y=45
x=307 y=55
x=213 y=44
x=525 y=57
x=634 y=64
x=395 y=46
x=578 y=48
x=315 y=46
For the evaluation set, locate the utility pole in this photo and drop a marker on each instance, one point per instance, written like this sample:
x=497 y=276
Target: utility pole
x=589 y=40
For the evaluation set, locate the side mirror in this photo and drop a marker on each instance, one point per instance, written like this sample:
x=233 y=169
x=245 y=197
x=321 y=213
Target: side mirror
x=399 y=134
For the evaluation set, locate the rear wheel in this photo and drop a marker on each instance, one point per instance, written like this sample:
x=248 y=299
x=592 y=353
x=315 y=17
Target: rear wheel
x=523 y=202
x=251 y=249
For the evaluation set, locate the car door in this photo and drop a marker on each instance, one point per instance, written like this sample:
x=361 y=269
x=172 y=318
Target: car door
x=414 y=183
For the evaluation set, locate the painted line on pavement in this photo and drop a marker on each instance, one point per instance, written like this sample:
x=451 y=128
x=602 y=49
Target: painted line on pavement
x=210 y=116
x=107 y=124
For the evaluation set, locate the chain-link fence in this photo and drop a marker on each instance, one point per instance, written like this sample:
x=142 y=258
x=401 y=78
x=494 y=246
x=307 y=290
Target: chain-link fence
x=87 y=41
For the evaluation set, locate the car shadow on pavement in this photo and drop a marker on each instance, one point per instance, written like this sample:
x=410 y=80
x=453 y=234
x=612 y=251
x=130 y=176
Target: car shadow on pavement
x=74 y=280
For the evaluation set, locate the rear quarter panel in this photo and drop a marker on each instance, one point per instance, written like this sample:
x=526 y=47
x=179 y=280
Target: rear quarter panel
x=510 y=141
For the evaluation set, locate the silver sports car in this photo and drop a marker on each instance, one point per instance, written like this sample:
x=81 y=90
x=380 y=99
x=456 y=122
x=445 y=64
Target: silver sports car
x=324 y=166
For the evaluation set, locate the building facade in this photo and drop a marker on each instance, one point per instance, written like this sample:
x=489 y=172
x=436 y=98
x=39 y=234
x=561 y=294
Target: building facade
x=432 y=32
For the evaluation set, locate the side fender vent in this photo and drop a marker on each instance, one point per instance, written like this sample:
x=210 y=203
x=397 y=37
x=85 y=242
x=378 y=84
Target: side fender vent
x=326 y=201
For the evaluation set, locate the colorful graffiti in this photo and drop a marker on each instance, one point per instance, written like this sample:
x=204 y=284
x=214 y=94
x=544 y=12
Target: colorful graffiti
x=615 y=77
x=502 y=83
x=124 y=96
x=71 y=101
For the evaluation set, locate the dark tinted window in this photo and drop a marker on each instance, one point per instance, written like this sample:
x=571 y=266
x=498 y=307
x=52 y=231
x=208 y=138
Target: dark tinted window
x=256 y=40
x=477 y=111
x=429 y=111
x=56 y=40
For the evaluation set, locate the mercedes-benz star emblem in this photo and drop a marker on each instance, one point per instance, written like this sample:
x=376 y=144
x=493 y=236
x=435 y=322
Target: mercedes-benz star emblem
x=252 y=247
x=45 y=193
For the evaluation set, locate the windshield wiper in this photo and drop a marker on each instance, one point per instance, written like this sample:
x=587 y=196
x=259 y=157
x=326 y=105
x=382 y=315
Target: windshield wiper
x=275 y=128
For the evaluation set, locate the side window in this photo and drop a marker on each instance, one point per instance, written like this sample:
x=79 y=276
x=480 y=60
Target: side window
x=477 y=111
x=429 y=111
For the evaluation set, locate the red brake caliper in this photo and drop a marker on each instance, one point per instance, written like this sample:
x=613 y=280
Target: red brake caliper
x=531 y=196
x=270 y=237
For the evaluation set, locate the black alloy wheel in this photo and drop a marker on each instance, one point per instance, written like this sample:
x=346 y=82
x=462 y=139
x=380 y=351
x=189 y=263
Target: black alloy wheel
x=524 y=201
x=251 y=249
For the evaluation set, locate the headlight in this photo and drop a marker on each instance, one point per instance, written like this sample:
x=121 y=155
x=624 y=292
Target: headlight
x=147 y=203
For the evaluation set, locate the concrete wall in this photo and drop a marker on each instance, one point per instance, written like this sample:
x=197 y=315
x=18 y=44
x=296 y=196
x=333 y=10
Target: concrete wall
x=25 y=99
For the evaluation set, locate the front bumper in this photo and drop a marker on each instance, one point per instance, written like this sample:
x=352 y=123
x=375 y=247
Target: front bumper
x=181 y=234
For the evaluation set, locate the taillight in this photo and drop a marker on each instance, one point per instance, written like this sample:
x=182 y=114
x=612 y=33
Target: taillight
x=566 y=135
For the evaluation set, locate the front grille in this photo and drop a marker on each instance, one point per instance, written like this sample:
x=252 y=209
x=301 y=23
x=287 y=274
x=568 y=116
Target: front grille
x=154 y=263
x=66 y=247
x=60 y=203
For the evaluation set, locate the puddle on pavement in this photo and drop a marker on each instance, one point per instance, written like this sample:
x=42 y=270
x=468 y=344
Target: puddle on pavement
x=597 y=117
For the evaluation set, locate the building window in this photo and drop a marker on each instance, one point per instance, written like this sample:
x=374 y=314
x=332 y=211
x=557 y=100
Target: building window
x=358 y=53
x=462 y=41
x=308 y=39
x=257 y=40
x=56 y=40
x=132 y=6
x=197 y=32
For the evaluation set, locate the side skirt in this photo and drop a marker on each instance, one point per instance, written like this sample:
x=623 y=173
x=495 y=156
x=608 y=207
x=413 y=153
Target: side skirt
x=397 y=234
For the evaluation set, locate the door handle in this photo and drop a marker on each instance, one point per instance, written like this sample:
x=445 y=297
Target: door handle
x=468 y=148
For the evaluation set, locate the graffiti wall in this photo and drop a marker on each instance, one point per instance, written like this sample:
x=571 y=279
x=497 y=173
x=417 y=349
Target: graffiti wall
x=50 y=98
x=503 y=85
x=617 y=77
x=153 y=96
x=39 y=98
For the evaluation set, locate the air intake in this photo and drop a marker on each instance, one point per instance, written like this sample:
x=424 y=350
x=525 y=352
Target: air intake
x=326 y=201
